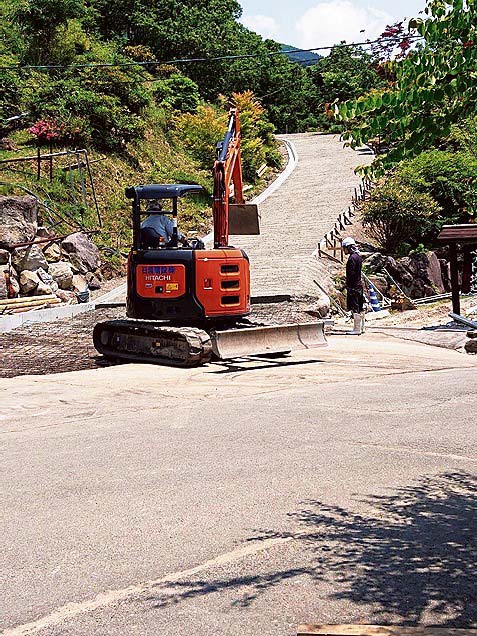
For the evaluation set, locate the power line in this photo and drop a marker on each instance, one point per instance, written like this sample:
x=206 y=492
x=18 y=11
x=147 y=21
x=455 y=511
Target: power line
x=193 y=60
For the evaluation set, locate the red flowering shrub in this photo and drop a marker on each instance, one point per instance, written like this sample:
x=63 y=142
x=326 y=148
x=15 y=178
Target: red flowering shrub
x=47 y=130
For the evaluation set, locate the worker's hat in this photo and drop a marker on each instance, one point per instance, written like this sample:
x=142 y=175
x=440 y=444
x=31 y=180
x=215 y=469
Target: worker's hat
x=346 y=242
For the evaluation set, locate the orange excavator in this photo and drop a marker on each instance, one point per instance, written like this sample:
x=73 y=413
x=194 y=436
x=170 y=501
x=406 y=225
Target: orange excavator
x=186 y=304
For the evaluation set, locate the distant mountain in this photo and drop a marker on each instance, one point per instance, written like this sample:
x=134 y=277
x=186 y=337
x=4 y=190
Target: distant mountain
x=303 y=58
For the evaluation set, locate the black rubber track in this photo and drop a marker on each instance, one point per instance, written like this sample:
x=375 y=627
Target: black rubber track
x=138 y=341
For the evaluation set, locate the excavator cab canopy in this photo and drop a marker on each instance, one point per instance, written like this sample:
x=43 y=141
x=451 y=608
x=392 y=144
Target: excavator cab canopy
x=150 y=192
x=168 y=191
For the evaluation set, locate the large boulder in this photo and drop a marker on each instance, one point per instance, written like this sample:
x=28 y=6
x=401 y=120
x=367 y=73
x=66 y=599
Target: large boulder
x=47 y=279
x=52 y=253
x=30 y=258
x=4 y=257
x=18 y=219
x=417 y=275
x=62 y=274
x=29 y=281
x=426 y=275
x=93 y=281
x=435 y=272
x=84 y=255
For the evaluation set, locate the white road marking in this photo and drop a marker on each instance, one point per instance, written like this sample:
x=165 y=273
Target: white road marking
x=106 y=599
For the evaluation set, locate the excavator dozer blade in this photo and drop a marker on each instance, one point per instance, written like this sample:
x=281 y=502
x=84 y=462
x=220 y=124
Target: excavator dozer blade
x=275 y=339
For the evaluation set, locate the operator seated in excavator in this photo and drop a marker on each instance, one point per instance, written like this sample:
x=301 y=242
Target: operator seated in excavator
x=157 y=229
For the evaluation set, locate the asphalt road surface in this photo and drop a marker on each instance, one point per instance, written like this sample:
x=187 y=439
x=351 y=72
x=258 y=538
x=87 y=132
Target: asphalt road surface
x=338 y=485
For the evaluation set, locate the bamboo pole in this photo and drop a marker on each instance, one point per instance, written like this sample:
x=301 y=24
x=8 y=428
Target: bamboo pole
x=7 y=309
x=23 y=299
x=19 y=310
x=14 y=308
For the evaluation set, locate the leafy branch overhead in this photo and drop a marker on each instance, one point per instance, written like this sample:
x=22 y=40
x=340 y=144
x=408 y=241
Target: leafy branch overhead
x=433 y=87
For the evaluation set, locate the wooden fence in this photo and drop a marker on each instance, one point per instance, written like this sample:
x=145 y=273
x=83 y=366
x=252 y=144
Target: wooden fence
x=330 y=244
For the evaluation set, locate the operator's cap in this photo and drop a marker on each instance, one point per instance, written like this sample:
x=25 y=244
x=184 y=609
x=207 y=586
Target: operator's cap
x=154 y=204
x=346 y=242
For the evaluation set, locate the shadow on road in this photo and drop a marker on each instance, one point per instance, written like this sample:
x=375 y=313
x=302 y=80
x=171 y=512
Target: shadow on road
x=257 y=363
x=413 y=559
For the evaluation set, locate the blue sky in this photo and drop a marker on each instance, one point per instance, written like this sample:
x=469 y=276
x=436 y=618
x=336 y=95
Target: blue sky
x=309 y=23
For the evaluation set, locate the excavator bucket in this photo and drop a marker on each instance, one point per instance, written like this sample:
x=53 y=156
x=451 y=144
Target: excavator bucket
x=239 y=343
x=244 y=219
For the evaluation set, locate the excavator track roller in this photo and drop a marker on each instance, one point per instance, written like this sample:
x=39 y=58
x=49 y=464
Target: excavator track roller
x=138 y=341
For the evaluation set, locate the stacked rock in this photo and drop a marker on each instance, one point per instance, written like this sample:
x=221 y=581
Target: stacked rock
x=418 y=275
x=43 y=267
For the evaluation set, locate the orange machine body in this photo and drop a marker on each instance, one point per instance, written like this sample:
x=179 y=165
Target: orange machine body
x=188 y=285
x=222 y=280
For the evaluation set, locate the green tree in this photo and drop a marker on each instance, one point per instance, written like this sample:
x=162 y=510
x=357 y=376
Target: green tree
x=346 y=73
x=449 y=177
x=11 y=46
x=41 y=20
x=175 y=29
x=435 y=87
x=178 y=29
x=178 y=92
x=420 y=195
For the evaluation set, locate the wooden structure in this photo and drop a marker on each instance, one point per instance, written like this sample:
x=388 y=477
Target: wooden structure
x=381 y=630
x=465 y=237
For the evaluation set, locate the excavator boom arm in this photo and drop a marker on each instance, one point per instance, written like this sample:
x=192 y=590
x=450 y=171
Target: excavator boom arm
x=227 y=171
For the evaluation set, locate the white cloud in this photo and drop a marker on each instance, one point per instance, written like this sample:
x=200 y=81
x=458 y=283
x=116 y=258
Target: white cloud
x=331 y=22
x=264 y=25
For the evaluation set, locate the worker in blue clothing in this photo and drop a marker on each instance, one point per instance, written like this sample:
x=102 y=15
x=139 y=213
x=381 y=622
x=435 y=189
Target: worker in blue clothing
x=157 y=229
x=354 y=286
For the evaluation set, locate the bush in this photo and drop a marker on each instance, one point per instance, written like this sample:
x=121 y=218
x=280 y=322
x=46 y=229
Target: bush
x=464 y=136
x=70 y=40
x=397 y=213
x=259 y=145
x=200 y=132
x=102 y=110
x=449 y=177
x=178 y=93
